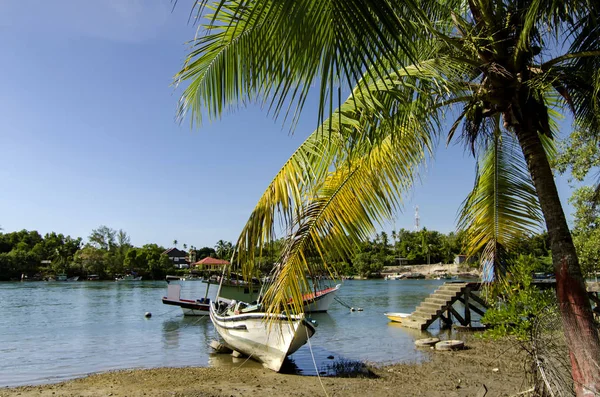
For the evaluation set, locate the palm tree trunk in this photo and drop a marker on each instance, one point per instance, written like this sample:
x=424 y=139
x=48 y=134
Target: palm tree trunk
x=576 y=312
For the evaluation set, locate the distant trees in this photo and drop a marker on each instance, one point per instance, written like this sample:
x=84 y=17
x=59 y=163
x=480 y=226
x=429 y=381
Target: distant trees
x=109 y=252
x=23 y=252
x=204 y=252
x=224 y=249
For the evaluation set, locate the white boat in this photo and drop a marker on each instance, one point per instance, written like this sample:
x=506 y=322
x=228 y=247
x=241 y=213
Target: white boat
x=318 y=302
x=128 y=277
x=266 y=338
x=199 y=307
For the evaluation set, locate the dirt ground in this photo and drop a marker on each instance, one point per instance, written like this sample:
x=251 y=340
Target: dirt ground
x=500 y=366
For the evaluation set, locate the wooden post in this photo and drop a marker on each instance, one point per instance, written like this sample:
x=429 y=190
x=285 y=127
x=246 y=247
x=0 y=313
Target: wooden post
x=467 y=306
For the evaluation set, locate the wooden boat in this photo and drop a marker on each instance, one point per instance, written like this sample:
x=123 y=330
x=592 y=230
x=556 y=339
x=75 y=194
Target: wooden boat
x=129 y=277
x=319 y=301
x=266 y=338
x=239 y=290
x=396 y=317
x=199 y=307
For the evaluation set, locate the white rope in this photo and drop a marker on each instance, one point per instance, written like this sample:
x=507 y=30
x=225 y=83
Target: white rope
x=245 y=361
x=315 y=363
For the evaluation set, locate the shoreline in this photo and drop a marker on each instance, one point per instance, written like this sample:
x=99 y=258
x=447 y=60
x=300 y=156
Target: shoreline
x=499 y=365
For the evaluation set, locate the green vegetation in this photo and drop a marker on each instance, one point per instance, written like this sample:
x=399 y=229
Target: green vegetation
x=516 y=302
x=107 y=254
x=580 y=154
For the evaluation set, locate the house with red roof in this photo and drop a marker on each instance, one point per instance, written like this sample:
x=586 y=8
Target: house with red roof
x=210 y=263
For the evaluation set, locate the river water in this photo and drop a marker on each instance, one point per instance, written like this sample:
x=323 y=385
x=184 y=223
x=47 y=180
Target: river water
x=53 y=331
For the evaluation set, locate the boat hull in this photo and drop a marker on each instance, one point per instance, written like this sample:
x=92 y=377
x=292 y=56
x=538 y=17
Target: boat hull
x=396 y=317
x=268 y=339
x=320 y=302
x=189 y=307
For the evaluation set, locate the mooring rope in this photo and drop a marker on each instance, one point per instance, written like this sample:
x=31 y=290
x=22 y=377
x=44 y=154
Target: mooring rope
x=338 y=300
x=315 y=363
x=245 y=361
x=353 y=309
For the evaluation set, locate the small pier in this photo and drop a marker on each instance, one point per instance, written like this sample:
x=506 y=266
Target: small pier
x=440 y=304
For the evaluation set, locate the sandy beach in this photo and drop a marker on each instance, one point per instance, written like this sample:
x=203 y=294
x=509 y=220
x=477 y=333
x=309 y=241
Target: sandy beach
x=500 y=366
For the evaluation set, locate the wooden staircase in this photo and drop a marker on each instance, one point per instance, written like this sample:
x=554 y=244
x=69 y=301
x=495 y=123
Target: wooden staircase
x=435 y=305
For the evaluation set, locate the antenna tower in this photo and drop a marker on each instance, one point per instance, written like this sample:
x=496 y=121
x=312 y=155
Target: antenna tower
x=417 y=218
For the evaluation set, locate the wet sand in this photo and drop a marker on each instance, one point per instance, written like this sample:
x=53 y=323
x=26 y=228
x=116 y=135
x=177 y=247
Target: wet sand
x=500 y=366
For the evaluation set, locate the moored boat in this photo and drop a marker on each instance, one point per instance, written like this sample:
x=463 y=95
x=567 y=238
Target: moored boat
x=319 y=301
x=129 y=277
x=266 y=338
x=199 y=307
x=240 y=290
x=396 y=317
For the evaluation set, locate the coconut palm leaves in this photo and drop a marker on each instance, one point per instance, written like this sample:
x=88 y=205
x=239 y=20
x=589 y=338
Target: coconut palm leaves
x=344 y=179
x=502 y=205
x=274 y=51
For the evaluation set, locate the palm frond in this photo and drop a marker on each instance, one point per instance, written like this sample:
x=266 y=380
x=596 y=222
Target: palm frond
x=503 y=204
x=275 y=51
x=344 y=211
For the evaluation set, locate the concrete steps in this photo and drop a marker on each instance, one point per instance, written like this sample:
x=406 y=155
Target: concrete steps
x=432 y=307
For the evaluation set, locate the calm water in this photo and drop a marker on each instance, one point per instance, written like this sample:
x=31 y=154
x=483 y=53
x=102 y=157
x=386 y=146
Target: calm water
x=52 y=331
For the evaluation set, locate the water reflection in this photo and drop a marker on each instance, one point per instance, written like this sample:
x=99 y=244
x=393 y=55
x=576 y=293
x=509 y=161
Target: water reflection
x=173 y=329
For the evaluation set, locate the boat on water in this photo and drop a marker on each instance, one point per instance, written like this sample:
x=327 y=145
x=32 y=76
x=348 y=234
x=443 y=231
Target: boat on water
x=189 y=307
x=396 y=317
x=395 y=276
x=266 y=338
x=63 y=277
x=129 y=277
x=237 y=289
x=314 y=302
x=319 y=301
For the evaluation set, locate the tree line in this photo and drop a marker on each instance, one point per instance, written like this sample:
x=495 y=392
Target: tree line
x=107 y=254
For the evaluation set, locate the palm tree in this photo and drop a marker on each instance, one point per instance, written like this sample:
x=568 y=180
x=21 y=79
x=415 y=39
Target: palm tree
x=504 y=68
x=175 y=242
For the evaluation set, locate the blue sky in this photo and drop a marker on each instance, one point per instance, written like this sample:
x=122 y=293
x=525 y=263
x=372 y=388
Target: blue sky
x=88 y=135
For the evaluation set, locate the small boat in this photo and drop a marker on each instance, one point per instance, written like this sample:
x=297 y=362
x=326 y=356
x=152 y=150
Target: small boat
x=93 y=277
x=61 y=277
x=128 y=277
x=74 y=278
x=396 y=317
x=266 y=338
x=319 y=301
x=239 y=290
x=199 y=307
x=394 y=277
